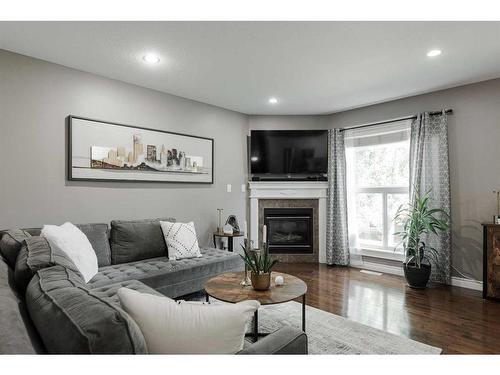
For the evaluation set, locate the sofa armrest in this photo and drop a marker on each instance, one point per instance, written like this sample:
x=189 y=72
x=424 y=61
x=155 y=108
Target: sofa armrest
x=286 y=340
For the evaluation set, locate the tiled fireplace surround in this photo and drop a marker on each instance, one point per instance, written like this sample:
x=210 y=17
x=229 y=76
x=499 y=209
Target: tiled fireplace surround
x=291 y=194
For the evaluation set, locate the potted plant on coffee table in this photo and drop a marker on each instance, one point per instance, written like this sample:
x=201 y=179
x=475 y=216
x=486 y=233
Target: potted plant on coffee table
x=419 y=221
x=260 y=264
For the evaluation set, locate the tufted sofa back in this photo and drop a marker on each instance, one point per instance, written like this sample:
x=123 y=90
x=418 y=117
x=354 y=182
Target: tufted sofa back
x=125 y=241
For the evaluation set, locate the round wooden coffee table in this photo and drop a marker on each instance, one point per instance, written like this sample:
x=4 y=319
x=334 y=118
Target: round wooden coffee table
x=226 y=287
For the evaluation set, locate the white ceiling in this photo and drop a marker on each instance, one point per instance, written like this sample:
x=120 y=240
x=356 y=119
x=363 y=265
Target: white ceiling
x=311 y=67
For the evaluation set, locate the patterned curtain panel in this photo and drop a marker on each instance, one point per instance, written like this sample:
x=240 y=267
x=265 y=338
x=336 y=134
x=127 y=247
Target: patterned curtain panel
x=337 y=247
x=429 y=170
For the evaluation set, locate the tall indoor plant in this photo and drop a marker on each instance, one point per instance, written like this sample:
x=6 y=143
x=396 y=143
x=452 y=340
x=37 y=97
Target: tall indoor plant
x=420 y=221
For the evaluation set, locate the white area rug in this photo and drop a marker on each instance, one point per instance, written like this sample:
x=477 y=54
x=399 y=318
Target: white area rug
x=332 y=334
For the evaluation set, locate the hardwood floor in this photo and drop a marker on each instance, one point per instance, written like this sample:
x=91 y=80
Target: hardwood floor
x=455 y=319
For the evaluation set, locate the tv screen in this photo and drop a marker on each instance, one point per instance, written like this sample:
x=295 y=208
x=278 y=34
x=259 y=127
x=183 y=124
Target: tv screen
x=289 y=152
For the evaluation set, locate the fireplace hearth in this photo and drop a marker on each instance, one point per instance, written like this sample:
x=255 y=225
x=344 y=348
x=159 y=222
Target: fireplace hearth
x=289 y=230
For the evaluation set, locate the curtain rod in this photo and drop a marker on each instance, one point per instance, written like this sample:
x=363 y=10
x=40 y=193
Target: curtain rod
x=447 y=111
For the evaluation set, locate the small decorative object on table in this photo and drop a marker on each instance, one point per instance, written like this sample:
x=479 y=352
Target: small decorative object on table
x=233 y=222
x=260 y=264
x=219 y=227
x=279 y=281
x=246 y=247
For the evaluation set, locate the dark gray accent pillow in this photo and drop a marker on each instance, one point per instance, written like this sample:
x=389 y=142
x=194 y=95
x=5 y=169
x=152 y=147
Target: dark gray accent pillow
x=71 y=319
x=11 y=243
x=98 y=235
x=36 y=254
x=137 y=240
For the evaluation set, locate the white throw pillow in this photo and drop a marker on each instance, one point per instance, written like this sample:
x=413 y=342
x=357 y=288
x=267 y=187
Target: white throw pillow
x=75 y=244
x=186 y=328
x=181 y=240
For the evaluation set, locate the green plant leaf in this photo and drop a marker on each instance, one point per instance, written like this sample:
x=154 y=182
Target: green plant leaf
x=418 y=220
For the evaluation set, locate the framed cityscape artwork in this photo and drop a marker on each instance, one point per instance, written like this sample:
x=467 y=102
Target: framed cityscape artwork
x=107 y=151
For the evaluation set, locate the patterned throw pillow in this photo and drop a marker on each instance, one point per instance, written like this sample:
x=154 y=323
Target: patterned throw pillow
x=181 y=240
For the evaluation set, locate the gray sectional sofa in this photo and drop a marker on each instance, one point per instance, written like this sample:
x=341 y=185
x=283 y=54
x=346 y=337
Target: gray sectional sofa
x=46 y=306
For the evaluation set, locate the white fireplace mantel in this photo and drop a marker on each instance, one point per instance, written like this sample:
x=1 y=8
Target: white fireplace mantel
x=289 y=190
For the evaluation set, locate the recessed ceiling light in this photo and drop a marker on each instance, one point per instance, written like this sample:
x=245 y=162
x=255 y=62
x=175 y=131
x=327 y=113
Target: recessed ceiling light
x=151 y=58
x=273 y=100
x=434 y=53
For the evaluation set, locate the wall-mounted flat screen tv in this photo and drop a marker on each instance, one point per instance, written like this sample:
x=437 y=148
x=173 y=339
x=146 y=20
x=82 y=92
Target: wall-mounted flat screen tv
x=288 y=154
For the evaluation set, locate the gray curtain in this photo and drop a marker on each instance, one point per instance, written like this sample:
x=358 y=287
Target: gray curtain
x=337 y=245
x=429 y=170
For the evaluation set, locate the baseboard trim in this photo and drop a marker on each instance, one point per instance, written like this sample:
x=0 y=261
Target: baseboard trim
x=460 y=282
x=393 y=270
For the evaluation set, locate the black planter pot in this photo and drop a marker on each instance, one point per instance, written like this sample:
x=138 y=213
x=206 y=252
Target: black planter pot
x=417 y=277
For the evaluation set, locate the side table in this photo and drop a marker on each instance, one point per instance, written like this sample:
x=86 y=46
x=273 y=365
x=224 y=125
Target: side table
x=229 y=237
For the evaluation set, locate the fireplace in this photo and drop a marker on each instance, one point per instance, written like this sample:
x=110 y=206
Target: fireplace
x=290 y=195
x=289 y=230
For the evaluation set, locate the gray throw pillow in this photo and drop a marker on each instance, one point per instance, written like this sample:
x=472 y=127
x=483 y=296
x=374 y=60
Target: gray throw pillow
x=98 y=235
x=137 y=240
x=36 y=254
x=11 y=243
x=71 y=319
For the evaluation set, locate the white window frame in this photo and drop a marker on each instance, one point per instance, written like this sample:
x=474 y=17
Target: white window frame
x=384 y=251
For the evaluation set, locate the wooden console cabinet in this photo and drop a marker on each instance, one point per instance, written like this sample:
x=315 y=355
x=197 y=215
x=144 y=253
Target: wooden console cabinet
x=491 y=261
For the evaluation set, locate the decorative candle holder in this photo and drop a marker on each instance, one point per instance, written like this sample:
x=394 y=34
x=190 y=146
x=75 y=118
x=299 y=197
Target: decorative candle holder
x=220 y=229
x=246 y=280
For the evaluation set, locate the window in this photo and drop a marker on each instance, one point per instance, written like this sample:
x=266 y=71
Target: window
x=377 y=185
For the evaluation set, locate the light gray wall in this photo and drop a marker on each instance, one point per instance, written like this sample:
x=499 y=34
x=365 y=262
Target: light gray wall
x=288 y=122
x=474 y=137
x=36 y=97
